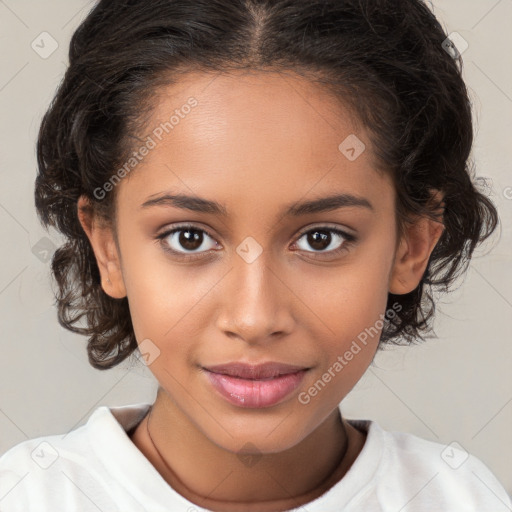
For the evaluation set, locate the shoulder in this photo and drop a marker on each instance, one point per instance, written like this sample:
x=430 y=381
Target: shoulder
x=64 y=469
x=31 y=470
x=38 y=473
x=434 y=474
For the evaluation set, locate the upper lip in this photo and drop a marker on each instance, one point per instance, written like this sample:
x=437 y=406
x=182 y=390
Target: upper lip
x=255 y=371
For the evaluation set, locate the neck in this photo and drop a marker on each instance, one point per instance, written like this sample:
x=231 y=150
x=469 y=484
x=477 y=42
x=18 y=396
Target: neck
x=212 y=477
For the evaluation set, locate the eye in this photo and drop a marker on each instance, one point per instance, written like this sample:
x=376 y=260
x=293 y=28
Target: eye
x=190 y=242
x=186 y=240
x=325 y=237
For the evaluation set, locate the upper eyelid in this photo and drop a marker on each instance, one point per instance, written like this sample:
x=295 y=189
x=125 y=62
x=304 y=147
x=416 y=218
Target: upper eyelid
x=180 y=227
x=326 y=226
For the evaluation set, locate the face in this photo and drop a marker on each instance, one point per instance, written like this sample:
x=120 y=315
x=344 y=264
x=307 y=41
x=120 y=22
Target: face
x=255 y=283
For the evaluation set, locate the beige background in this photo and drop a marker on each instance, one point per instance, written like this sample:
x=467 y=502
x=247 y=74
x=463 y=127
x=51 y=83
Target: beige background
x=454 y=388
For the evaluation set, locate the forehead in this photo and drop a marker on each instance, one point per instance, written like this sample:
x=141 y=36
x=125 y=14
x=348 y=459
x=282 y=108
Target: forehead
x=263 y=139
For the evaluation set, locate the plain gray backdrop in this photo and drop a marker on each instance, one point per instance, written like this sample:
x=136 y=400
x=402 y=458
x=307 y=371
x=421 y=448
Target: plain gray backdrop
x=456 y=388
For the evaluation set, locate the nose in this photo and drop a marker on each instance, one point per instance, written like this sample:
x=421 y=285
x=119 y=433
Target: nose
x=256 y=302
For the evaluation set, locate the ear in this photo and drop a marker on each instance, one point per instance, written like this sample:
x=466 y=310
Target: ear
x=104 y=246
x=414 y=250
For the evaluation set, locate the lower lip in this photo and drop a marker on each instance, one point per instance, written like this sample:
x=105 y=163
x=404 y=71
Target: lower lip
x=255 y=393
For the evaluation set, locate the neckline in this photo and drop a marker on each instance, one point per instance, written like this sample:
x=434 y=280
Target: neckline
x=108 y=433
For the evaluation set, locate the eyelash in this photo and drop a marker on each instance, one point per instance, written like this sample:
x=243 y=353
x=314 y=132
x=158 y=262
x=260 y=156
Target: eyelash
x=349 y=240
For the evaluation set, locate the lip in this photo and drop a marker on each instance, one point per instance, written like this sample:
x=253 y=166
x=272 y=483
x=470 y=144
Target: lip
x=255 y=386
x=260 y=371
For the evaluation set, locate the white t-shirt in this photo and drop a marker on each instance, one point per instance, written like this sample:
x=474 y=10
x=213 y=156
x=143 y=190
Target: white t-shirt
x=96 y=467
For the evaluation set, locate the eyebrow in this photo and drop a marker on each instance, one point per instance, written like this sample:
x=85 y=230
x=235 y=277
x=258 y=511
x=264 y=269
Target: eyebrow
x=202 y=205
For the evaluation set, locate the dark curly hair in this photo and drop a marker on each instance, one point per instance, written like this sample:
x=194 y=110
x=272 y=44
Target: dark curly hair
x=384 y=59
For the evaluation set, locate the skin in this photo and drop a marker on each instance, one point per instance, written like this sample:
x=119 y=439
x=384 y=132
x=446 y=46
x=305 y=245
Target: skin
x=255 y=143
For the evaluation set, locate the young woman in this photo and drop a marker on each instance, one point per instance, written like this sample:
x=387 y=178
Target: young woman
x=256 y=195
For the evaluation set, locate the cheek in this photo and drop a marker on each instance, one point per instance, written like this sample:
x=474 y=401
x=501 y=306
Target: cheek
x=143 y=289
x=163 y=296
x=350 y=305
x=348 y=298
x=349 y=302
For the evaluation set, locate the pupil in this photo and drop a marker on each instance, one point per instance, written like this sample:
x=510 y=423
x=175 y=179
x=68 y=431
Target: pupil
x=317 y=239
x=190 y=241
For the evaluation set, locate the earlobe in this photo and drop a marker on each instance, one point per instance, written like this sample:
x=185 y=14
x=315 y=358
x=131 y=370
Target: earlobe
x=413 y=254
x=115 y=283
x=105 y=250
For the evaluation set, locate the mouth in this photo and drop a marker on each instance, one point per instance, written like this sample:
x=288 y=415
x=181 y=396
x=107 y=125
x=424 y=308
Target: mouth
x=261 y=371
x=255 y=386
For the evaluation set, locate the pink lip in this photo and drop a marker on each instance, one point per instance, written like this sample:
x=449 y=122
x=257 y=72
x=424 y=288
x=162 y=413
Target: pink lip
x=254 y=371
x=255 y=386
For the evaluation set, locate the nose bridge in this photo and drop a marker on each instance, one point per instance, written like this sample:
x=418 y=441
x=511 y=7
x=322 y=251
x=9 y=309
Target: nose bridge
x=254 y=282
x=255 y=298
